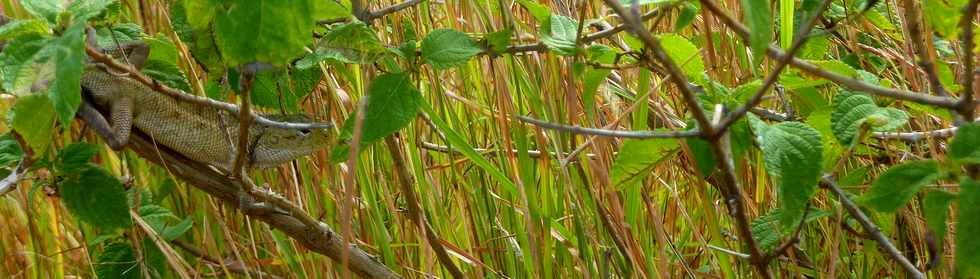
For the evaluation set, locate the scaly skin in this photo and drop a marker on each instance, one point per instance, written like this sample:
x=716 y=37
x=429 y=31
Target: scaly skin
x=204 y=134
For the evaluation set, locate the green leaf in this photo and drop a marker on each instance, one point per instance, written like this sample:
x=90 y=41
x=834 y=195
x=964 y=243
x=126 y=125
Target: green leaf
x=19 y=28
x=66 y=89
x=118 y=262
x=965 y=146
x=689 y=11
x=97 y=198
x=331 y=9
x=352 y=42
x=497 y=41
x=447 y=48
x=967 y=229
x=393 y=103
x=46 y=9
x=540 y=12
x=935 y=207
x=9 y=150
x=853 y=110
x=837 y=67
x=793 y=153
x=33 y=118
x=638 y=157
x=75 y=157
x=270 y=31
x=83 y=10
x=942 y=17
x=898 y=184
x=759 y=20
x=560 y=35
x=686 y=55
x=26 y=69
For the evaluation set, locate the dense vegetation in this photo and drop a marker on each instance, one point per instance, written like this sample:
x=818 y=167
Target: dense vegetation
x=509 y=139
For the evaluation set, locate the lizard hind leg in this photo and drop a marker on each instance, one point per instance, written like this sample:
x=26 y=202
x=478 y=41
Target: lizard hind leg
x=94 y=119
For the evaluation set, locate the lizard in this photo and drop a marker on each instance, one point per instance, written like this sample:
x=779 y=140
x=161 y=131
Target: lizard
x=201 y=133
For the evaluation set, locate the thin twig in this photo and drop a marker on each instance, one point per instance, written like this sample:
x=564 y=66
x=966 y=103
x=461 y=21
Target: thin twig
x=391 y=9
x=530 y=153
x=244 y=122
x=719 y=143
x=178 y=95
x=916 y=136
x=871 y=228
x=609 y=133
x=415 y=210
x=853 y=84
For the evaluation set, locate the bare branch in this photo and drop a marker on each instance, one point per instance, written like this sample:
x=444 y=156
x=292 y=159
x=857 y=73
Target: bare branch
x=916 y=136
x=848 y=82
x=319 y=238
x=609 y=133
x=391 y=9
x=913 y=19
x=530 y=153
x=852 y=208
x=154 y=85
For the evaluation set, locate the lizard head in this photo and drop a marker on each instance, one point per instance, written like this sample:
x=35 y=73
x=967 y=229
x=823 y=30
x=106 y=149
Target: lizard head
x=279 y=145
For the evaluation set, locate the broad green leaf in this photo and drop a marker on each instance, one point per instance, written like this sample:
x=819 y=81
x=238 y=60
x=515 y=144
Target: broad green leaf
x=935 y=207
x=117 y=261
x=75 y=157
x=33 y=117
x=689 y=11
x=560 y=35
x=393 y=103
x=331 y=9
x=10 y=151
x=83 y=10
x=497 y=41
x=965 y=146
x=898 y=184
x=270 y=31
x=793 y=153
x=540 y=12
x=853 y=110
x=279 y=90
x=26 y=69
x=121 y=33
x=759 y=20
x=638 y=157
x=18 y=28
x=69 y=57
x=46 y=9
x=686 y=55
x=821 y=121
x=448 y=48
x=967 y=230
x=352 y=42
x=97 y=198
x=943 y=16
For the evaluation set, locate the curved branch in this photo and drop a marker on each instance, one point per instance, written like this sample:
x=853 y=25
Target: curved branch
x=320 y=239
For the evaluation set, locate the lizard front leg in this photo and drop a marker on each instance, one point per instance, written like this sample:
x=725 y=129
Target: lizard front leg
x=109 y=133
